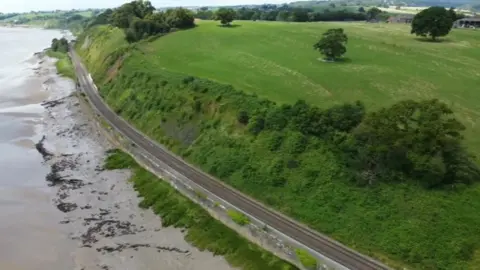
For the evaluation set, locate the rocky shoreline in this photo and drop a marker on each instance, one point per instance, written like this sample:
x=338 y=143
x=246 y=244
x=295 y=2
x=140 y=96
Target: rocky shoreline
x=100 y=206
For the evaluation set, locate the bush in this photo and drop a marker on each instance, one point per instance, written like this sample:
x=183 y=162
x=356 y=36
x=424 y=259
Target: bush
x=306 y=259
x=188 y=79
x=256 y=125
x=144 y=28
x=238 y=217
x=179 y=18
x=59 y=45
x=242 y=117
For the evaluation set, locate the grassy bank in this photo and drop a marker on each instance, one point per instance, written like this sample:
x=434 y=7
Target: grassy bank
x=203 y=231
x=400 y=223
x=64 y=64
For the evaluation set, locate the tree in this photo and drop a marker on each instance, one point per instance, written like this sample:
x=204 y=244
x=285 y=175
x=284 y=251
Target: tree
x=204 y=14
x=243 y=117
x=101 y=18
x=180 y=18
x=454 y=15
x=59 y=45
x=143 y=28
x=361 y=9
x=421 y=140
x=373 y=13
x=433 y=22
x=126 y=13
x=225 y=15
x=282 y=16
x=299 y=15
x=256 y=124
x=332 y=44
x=158 y=17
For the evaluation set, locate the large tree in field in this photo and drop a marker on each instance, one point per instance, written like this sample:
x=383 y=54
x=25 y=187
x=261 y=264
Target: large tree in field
x=332 y=44
x=421 y=140
x=225 y=15
x=432 y=22
x=373 y=13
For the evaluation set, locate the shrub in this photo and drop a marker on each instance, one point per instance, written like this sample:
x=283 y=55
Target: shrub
x=242 y=117
x=188 y=79
x=256 y=125
x=238 y=217
x=306 y=258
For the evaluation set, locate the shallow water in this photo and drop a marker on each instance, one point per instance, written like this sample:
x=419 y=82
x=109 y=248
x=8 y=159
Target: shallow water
x=30 y=236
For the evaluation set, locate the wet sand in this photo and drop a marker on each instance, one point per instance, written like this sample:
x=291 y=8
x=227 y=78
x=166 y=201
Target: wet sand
x=101 y=207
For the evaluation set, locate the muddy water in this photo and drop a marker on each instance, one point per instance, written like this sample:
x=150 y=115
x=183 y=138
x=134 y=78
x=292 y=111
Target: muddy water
x=30 y=235
x=62 y=211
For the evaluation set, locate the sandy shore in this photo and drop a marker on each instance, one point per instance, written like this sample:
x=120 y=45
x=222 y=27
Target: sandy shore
x=101 y=212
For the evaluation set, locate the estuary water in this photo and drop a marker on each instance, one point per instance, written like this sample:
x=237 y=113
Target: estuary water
x=30 y=235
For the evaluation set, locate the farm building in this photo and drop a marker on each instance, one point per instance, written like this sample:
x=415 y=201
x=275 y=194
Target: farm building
x=404 y=18
x=467 y=23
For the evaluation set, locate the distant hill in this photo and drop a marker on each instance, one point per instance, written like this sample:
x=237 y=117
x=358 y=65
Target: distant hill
x=464 y=4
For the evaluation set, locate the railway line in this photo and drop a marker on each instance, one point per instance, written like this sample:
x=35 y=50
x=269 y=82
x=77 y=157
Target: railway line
x=320 y=243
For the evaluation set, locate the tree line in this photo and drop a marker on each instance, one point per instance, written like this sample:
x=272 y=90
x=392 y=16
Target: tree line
x=139 y=19
x=284 y=13
x=59 y=45
x=7 y=16
x=418 y=140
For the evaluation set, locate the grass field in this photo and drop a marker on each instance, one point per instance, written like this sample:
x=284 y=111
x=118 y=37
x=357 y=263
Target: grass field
x=384 y=64
x=149 y=84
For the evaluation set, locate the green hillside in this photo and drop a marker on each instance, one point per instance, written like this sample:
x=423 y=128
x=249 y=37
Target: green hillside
x=385 y=64
x=188 y=88
x=72 y=20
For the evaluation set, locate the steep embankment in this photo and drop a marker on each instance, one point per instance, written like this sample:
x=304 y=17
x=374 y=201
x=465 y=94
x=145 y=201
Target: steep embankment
x=300 y=175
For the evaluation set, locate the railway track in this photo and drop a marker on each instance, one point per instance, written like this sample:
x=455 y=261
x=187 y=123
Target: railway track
x=322 y=244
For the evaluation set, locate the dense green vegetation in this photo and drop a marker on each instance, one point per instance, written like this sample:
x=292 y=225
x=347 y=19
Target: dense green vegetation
x=245 y=141
x=238 y=217
x=59 y=45
x=225 y=15
x=203 y=231
x=270 y=12
x=139 y=21
x=306 y=259
x=332 y=44
x=64 y=64
x=433 y=22
x=59 y=50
